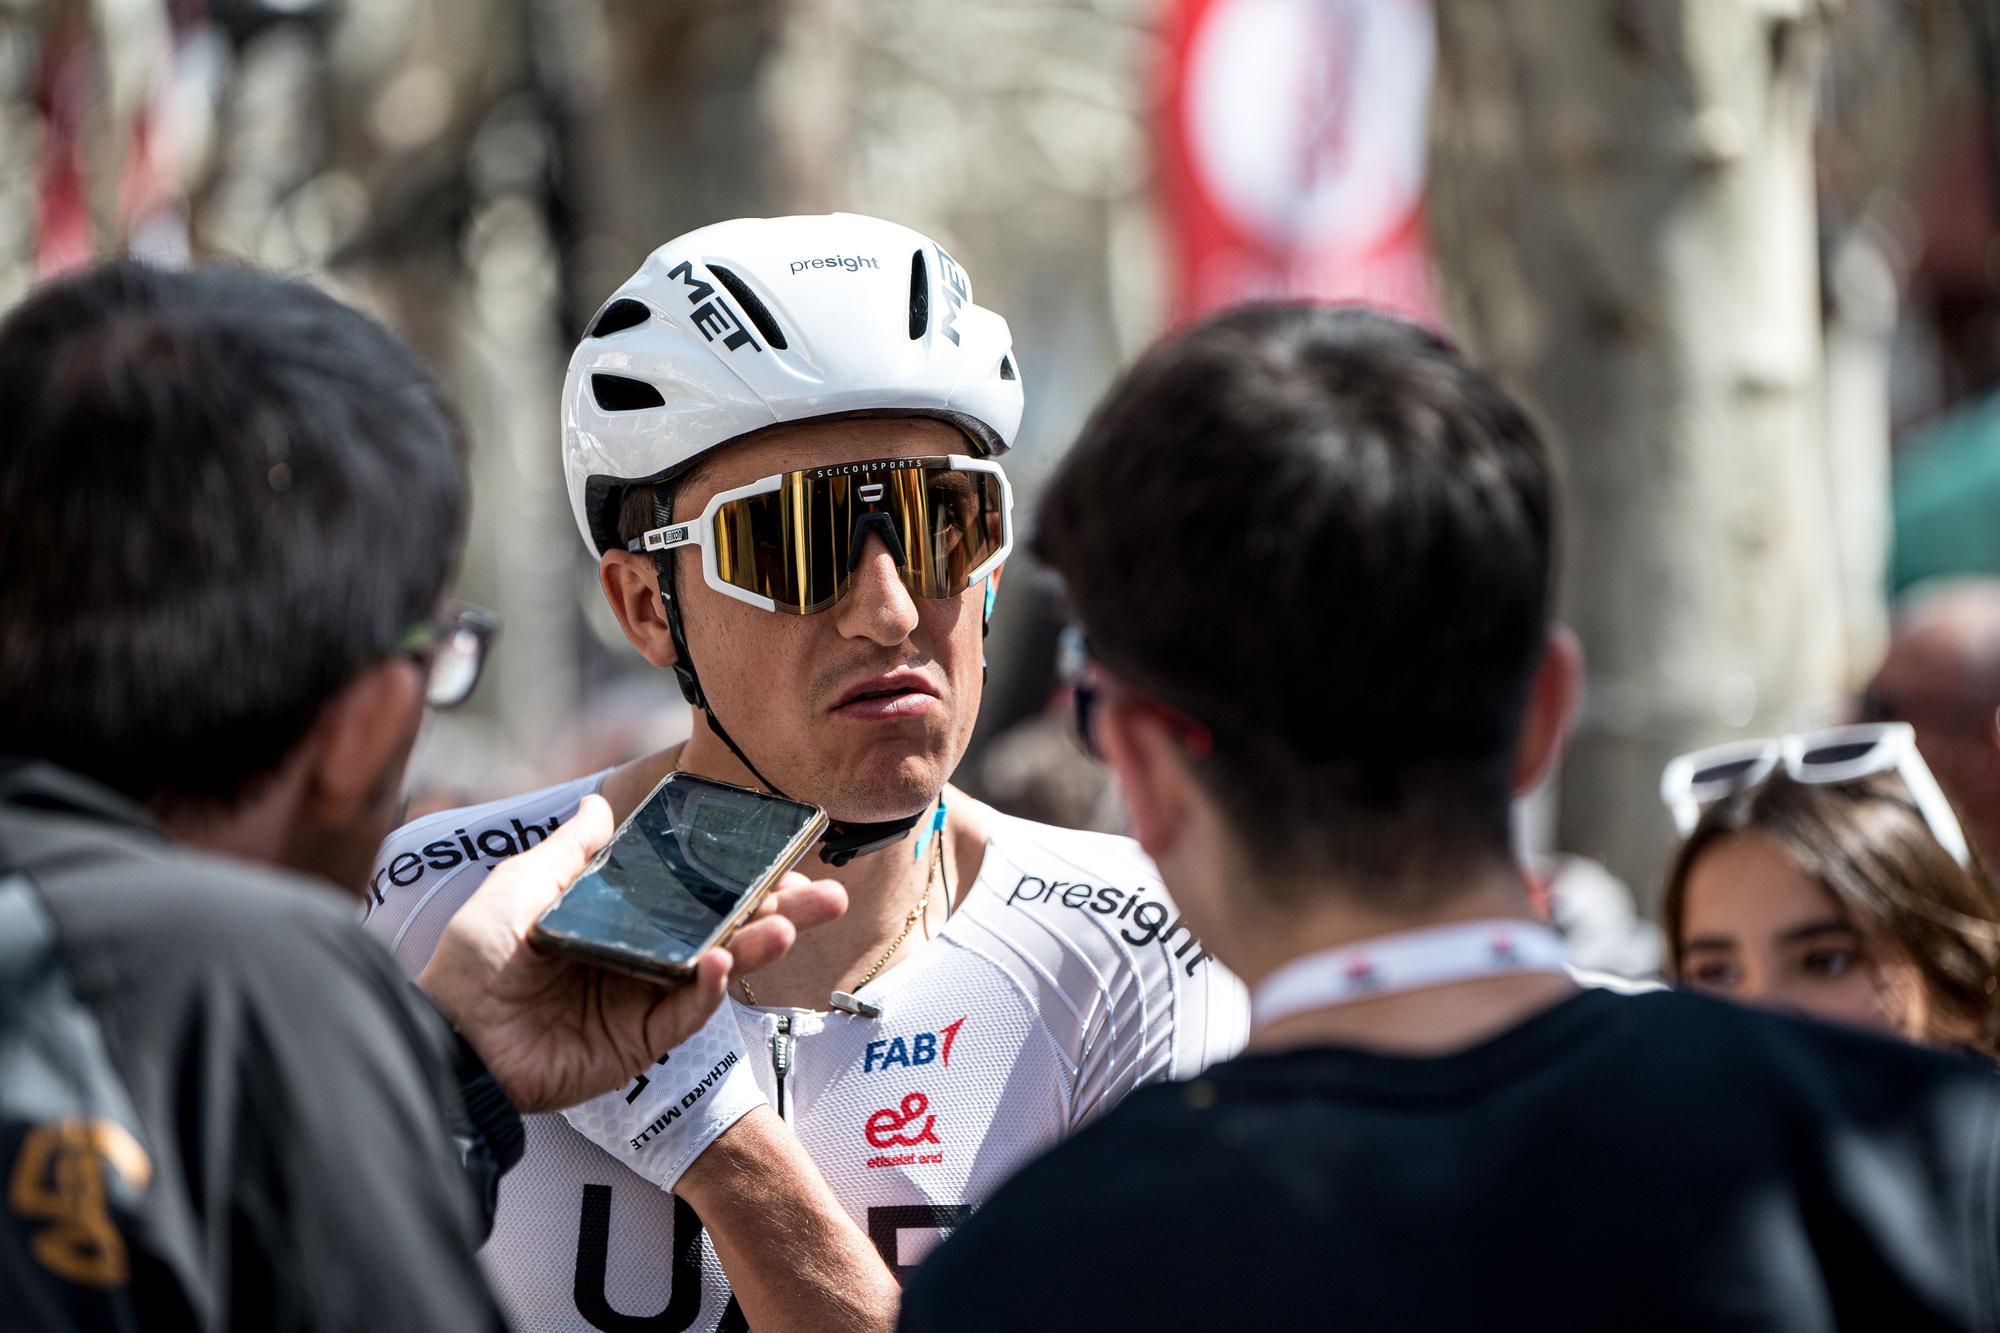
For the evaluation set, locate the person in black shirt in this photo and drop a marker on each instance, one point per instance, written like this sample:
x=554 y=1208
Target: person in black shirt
x=228 y=509
x=1338 y=669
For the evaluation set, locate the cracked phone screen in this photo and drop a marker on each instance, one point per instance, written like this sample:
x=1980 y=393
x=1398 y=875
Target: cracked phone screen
x=678 y=868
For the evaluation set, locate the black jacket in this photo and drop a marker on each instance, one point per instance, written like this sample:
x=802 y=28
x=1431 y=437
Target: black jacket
x=221 y=1107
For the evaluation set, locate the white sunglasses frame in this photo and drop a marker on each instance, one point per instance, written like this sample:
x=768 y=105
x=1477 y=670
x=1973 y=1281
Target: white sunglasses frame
x=700 y=531
x=1892 y=749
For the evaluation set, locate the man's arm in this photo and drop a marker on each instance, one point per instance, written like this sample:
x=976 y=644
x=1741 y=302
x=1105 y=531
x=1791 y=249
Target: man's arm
x=794 y=1257
x=700 y=1128
x=349 y=1208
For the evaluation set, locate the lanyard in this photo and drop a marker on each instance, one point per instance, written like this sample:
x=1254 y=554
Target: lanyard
x=1408 y=960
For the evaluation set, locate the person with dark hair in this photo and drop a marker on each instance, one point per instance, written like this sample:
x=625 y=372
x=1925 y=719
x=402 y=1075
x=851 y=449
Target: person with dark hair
x=1337 y=669
x=1942 y=676
x=229 y=506
x=1836 y=898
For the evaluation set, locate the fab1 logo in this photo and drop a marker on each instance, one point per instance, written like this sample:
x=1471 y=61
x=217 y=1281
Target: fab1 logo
x=909 y=1052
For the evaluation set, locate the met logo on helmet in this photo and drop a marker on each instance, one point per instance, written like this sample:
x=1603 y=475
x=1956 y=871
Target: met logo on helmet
x=712 y=314
x=957 y=291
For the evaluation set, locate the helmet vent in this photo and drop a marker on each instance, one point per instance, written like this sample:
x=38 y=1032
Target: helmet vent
x=617 y=393
x=920 y=295
x=622 y=314
x=759 y=313
x=1007 y=368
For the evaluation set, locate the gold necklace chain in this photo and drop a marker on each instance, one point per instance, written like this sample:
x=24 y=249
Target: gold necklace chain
x=915 y=915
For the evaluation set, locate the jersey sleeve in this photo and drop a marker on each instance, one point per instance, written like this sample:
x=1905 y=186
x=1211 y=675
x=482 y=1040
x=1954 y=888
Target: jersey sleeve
x=425 y=870
x=1123 y=981
x=349 y=1207
x=1171 y=1015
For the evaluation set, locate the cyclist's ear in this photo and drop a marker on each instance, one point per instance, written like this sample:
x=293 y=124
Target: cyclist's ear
x=631 y=584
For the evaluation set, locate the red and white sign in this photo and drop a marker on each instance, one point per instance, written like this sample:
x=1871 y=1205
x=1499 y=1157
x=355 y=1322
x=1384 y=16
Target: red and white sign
x=1293 y=150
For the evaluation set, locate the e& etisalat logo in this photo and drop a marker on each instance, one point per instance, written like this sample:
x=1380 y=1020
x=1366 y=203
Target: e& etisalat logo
x=910 y=1126
x=909 y=1052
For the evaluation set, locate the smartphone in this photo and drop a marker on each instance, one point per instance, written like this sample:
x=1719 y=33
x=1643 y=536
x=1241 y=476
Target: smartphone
x=678 y=877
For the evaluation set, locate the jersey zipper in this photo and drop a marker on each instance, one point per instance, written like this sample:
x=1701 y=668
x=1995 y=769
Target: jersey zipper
x=781 y=1059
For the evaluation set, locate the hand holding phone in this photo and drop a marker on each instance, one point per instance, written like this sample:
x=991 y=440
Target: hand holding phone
x=689 y=865
x=555 y=1033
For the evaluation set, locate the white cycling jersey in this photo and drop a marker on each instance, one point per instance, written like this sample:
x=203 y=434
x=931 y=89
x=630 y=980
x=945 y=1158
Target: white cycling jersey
x=1063 y=980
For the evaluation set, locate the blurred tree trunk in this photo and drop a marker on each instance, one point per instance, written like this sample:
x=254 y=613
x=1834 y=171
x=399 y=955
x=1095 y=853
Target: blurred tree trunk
x=1623 y=204
x=1898 y=74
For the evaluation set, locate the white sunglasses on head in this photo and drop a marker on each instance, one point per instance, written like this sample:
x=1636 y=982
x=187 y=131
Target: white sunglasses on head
x=1833 y=754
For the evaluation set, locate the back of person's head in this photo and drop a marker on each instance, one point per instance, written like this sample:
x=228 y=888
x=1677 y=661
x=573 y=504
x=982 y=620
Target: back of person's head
x=223 y=494
x=1944 y=651
x=1866 y=846
x=1941 y=674
x=1322 y=533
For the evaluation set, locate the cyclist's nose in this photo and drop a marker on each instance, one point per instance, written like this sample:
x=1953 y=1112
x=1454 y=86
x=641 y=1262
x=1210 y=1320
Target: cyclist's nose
x=877 y=606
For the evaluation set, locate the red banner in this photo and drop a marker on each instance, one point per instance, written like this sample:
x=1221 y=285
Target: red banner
x=1292 y=151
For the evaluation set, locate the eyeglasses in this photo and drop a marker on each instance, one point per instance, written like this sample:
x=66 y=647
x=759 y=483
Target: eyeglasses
x=452 y=648
x=791 y=542
x=1089 y=682
x=1832 y=755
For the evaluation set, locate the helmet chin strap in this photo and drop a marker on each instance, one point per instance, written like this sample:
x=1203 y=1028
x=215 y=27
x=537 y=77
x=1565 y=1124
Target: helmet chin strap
x=843 y=841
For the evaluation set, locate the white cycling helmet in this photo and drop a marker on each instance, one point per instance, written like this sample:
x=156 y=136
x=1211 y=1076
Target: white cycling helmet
x=749 y=323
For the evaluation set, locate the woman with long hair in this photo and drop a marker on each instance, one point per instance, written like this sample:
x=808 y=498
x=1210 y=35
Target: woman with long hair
x=1826 y=875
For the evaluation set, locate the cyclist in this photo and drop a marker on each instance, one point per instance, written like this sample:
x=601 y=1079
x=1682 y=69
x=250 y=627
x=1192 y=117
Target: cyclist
x=779 y=437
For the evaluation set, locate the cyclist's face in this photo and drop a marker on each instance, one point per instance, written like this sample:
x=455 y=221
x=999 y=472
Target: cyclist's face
x=787 y=687
x=1757 y=929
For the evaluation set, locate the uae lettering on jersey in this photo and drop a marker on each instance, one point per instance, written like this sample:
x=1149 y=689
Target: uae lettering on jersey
x=1143 y=919
x=909 y=1124
x=909 y=1052
x=461 y=848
